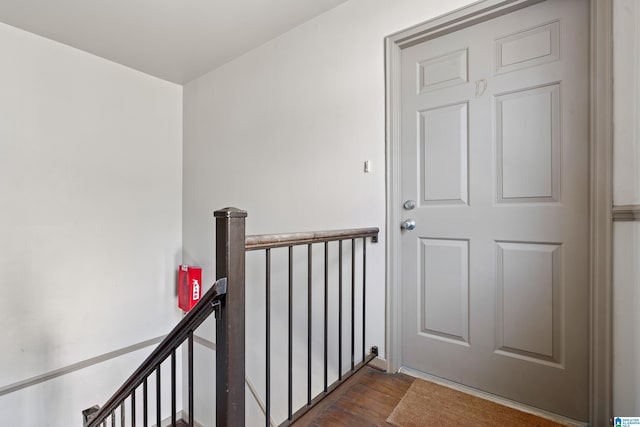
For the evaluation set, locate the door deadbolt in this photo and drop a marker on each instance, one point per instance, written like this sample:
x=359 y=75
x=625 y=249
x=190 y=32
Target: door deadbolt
x=409 y=205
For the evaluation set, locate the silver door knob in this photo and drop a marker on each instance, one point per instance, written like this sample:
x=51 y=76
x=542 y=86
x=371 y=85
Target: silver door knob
x=409 y=205
x=408 y=224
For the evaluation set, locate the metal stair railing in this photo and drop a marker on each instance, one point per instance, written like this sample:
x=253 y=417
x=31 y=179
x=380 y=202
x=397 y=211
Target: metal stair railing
x=226 y=300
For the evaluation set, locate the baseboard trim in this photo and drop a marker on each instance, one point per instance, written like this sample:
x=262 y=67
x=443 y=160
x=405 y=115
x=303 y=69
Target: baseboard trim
x=379 y=363
x=252 y=389
x=11 y=388
x=180 y=415
x=258 y=400
x=493 y=398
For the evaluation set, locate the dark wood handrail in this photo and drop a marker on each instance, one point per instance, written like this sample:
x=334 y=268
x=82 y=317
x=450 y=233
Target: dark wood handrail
x=174 y=339
x=267 y=241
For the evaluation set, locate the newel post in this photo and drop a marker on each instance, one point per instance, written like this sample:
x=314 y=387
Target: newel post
x=230 y=348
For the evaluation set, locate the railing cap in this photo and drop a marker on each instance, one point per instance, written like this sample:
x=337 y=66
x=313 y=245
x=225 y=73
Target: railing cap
x=230 y=213
x=267 y=241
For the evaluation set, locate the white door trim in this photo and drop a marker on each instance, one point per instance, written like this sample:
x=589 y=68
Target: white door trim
x=601 y=143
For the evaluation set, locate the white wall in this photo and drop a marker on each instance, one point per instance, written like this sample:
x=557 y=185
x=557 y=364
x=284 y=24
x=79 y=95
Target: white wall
x=626 y=274
x=283 y=132
x=90 y=221
x=59 y=401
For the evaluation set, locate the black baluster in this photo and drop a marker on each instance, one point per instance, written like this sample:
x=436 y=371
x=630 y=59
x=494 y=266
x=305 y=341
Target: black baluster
x=133 y=408
x=268 y=340
x=173 y=387
x=190 y=377
x=309 y=324
x=340 y=310
x=353 y=300
x=290 y=332
x=158 y=408
x=145 y=420
x=326 y=310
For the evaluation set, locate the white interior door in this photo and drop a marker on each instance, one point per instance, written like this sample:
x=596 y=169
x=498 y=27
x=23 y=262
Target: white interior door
x=495 y=153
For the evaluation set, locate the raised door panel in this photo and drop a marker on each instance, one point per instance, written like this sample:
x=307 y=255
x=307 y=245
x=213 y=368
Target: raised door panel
x=528 y=48
x=444 y=151
x=529 y=307
x=528 y=145
x=442 y=71
x=444 y=289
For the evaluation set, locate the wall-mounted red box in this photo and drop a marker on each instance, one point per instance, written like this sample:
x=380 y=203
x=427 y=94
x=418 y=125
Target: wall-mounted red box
x=189 y=286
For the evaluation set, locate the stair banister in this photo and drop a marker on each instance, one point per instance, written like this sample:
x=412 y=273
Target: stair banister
x=230 y=332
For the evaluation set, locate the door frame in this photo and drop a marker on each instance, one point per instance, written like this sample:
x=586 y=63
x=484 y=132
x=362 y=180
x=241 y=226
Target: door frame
x=600 y=187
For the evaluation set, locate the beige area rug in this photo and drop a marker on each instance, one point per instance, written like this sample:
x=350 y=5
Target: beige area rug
x=429 y=404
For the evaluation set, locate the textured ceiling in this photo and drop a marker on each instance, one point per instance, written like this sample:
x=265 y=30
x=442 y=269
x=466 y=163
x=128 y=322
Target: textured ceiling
x=176 y=40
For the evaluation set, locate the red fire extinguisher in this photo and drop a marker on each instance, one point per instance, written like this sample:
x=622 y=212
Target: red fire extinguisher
x=189 y=286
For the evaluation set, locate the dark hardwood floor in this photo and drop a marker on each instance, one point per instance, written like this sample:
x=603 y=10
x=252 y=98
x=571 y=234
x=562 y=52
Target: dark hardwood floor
x=366 y=399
